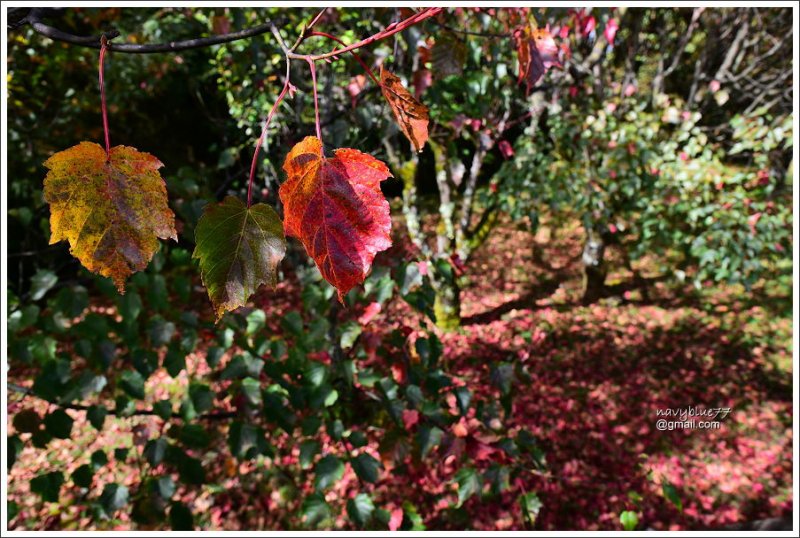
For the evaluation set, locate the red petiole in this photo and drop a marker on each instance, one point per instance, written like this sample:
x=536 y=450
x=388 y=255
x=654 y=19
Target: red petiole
x=354 y=53
x=310 y=59
x=103 y=50
x=262 y=137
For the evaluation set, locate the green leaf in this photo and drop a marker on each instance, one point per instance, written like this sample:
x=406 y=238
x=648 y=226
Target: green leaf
x=82 y=476
x=256 y=320
x=154 y=451
x=15 y=446
x=121 y=454
x=163 y=409
x=530 y=505
x=315 y=510
x=241 y=366
x=48 y=485
x=411 y=515
x=469 y=483
x=366 y=467
x=23 y=318
x=350 y=331
x=316 y=373
x=124 y=406
x=214 y=356
x=194 y=436
x=358 y=439
x=323 y=396
x=113 y=498
x=180 y=517
x=72 y=301
x=463 y=398
x=308 y=449
x=498 y=476
x=360 y=509
x=246 y=441
x=89 y=384
x=160 y=331
x=58 y=424
x=132 y=383
x=99 y=459
x=12 y=509
x=27 y=421
x=629 y=520
x=191 y=471
x=41 y=283
x=671 y=494
x=130 y=306
x=96 y=415
x=293 y=323
x=251 y=390
x=145 y=361
x=53 y=379
x=165 y=487
x=328 y=471
x=174 y=360
x=202 y=397
x=428 y=437
x=239 y=249
x=311 y=425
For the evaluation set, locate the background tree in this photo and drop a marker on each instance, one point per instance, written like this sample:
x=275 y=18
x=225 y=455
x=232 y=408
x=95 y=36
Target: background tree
x=627 y=133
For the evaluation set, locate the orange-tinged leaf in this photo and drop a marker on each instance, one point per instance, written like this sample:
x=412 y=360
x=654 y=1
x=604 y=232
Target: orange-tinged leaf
x=411 y=115
x=239 y=249
x=112 y=213
x=335 y=207
x=536 y=53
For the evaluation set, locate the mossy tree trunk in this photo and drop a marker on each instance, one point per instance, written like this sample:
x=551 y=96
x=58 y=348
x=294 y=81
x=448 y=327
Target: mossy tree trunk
x=594 y=267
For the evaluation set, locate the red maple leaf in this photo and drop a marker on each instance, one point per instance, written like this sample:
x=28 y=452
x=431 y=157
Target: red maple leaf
x=335 y=207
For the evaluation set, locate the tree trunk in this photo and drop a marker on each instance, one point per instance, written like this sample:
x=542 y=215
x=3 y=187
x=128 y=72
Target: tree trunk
x=594 y=268
x=447 y=305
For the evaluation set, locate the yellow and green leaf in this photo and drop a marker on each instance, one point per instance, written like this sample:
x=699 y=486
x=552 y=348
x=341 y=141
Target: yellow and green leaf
x=112 y=211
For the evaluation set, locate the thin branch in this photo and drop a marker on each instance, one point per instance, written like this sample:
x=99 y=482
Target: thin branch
x=684 y=41
x=472 y=33
x=139 y=412
x=35 y=21
x=386 y=32
x=286 y=86
x=354 y=53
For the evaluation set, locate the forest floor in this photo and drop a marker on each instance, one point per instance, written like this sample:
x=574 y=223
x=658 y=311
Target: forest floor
x=600 y=374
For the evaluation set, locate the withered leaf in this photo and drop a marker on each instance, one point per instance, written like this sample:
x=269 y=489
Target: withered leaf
x=411 y=115
x=111 y=213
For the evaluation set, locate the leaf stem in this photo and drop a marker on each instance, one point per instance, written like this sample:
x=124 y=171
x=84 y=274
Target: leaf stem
x=316 y=99
x=103 y=49
x=314 y=21
x=354 y=53
x=386 y=32
x=261 y=138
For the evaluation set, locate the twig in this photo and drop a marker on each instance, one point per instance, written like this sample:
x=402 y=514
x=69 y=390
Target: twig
x=34 y=19
x=139 y=412
x=386 y=32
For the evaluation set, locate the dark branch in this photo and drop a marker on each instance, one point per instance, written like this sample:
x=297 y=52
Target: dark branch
x=472 y=33
x=223 y=415
x=34 y=19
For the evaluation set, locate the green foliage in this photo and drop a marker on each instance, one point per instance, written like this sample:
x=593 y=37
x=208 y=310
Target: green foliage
x=360 y=509
x=629 y=520
x=283 y=394
x=48 y=485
